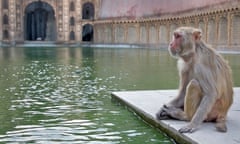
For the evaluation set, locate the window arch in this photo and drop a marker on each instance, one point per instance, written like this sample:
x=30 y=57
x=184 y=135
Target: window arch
x=222 y=31
x=5 y=4
x=88 y=11
x=40 y=22
x=5 y=19
x=72 y=6
x=72 y=21
x=235 y=33
x=5 y=34
x=72 y=36
x=87 y=33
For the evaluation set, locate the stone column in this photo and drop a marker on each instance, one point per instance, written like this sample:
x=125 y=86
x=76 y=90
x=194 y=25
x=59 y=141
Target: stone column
x=157 y=33
x=77 y=16
x=113 y=33
x=205 y=20
x=12 y=21
x=217 y=29
x=138 y=32
x=147 y=32
x=125 y=32
x=19 y=34
x=229 y=28
x=66 y=18
x=168 y=30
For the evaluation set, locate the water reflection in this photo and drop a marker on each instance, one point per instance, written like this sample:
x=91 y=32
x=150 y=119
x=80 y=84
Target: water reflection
x=62 y=95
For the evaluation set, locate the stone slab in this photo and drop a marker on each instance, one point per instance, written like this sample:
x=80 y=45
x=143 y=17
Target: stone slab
x=147 y=103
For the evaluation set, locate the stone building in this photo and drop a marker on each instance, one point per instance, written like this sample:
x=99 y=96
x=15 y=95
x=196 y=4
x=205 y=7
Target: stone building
x=145 y=22
x=59 y=21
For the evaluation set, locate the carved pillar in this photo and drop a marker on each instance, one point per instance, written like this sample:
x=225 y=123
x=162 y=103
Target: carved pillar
x=205 y=20
x=19 y=36
x=65 y=10
x=59 y=20
x=217 y=17
x=111 y=33
x=77 y=16
x=12 y=18
x=147 y=32
x=125 y=27
x=229 y=19
x=157 y=32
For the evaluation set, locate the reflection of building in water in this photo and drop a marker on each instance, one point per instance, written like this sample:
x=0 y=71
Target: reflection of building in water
x=123 y=21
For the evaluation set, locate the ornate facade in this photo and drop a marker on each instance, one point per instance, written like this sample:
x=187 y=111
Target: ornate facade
x=60 y=21
x=77 y=21
x=219 y=24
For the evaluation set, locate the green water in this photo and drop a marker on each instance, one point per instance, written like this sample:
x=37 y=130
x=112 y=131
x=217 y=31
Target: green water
x=62 y=95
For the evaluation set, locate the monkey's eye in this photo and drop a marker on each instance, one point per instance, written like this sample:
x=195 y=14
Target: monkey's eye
x=176 y=35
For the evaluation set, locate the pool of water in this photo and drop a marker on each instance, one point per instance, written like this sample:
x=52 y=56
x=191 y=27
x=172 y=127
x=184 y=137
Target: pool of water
x=62 y=95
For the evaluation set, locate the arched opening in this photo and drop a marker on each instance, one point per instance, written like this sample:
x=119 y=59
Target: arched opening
x=72 y=7
x=72 y=21
x=87 y=33
x=5 y=35
x=72 y=36
x=235 y=33
x=88 y=11
x=5 y=4
x=39 y=21
x=222 y=31
x=5 y=19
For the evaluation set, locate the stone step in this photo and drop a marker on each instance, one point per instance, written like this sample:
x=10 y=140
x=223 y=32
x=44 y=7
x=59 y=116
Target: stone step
x=147 y=103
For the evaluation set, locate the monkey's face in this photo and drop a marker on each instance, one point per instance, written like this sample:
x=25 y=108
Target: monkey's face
x=184 y=41
x=175 y=45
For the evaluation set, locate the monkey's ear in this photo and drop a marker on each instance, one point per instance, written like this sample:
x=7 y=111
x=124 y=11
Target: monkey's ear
x=197 y=34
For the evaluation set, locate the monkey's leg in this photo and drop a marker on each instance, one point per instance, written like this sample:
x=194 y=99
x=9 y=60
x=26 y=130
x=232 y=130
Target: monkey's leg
x=193 y=98
x=191 y=104
x=218 y=114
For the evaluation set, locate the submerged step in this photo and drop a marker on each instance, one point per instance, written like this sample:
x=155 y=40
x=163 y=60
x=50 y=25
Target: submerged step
x=147 y=103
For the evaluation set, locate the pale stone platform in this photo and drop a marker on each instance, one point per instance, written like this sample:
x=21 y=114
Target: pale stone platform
x=147 y=103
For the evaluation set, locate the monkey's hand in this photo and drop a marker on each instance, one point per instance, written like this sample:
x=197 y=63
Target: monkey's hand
x=162 y=113
x=190 y=128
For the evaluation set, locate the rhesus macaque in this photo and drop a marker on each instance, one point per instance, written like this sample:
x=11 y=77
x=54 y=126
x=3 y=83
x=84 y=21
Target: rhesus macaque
x=205 y=89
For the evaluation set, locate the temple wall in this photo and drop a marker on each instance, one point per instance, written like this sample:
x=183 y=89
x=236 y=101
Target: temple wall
x=147 y=22
x=145 y=8
x=220 y=28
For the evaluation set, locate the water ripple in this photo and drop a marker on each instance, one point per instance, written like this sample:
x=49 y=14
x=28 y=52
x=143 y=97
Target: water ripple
x=55 y=103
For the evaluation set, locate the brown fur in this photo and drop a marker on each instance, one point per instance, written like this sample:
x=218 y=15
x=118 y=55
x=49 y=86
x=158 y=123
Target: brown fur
x=205 y=89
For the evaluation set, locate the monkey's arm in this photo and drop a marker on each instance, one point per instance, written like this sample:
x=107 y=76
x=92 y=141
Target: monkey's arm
x=208 y=86
x=200 y=115
x=178 y=101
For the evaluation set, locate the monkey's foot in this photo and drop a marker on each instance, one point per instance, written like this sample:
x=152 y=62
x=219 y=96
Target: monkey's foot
x=221 y=127
x=187 y=129
x=162 y=114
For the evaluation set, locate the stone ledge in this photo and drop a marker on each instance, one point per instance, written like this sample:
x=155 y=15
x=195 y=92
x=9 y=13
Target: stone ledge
x=147 y=103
